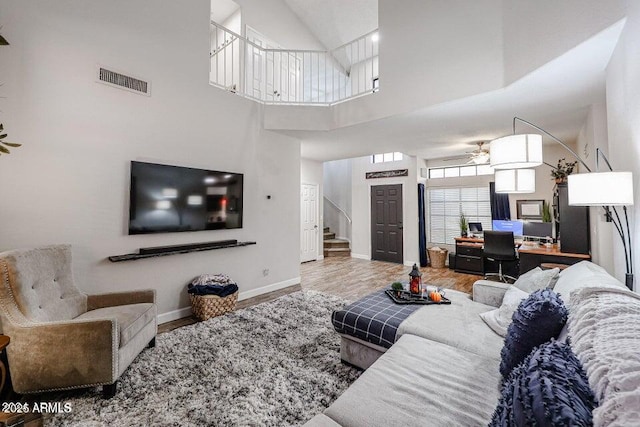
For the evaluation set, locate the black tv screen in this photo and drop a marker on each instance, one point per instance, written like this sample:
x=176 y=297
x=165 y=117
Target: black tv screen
x=165 y=199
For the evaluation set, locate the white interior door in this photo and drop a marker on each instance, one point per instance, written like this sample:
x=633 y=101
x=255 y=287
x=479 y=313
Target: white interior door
x=309 y=222
x=289 y=77
x=261 y=66
x=255 y=71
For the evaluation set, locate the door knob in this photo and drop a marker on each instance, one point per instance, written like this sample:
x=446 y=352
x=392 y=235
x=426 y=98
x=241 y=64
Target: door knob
x=315 y=226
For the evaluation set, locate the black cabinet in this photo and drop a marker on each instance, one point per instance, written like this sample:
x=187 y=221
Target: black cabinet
x=572 y=228
x=469 y=259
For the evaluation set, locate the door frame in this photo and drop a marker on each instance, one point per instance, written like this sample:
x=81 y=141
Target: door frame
x=317 y=187
x=371 y=185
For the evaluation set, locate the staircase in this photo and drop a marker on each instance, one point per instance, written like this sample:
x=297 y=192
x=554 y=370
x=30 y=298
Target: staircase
x=335 y=247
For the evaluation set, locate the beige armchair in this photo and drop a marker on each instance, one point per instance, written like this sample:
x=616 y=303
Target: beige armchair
x=62 y=338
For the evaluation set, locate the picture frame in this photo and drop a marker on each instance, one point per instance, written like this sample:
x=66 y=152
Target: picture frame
x=529 y=209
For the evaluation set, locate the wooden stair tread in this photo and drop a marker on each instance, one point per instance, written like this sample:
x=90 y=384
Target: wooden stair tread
x=337 y=252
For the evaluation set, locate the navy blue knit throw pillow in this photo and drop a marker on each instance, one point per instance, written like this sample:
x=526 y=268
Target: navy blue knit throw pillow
x=549 y=388
x=538 y=318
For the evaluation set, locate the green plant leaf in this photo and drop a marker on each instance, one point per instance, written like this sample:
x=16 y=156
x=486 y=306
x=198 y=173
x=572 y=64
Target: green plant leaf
x=1 y=127
x=3 y=136
x=11 y=144
x=4 y=150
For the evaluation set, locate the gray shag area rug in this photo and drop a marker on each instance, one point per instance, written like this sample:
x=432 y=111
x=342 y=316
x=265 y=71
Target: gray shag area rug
x=276 y=363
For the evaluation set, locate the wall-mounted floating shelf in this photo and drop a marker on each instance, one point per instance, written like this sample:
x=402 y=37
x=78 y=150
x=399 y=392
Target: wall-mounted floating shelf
x=179 y=249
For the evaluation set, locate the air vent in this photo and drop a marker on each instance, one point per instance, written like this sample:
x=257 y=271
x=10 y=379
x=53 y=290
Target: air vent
x=122 y=81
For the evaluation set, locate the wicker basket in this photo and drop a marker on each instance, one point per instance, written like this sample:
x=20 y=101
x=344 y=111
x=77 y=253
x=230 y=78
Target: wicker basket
x=438 y=257
x=207 y=306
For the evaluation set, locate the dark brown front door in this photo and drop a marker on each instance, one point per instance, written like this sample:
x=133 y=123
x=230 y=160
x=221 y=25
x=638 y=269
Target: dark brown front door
x=386 y=223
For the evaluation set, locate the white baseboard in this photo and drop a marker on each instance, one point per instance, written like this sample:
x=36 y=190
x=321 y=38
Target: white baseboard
x=320 y=257
x=186 y=311
x=269 y=288
x=174 y=315
x=410 y=263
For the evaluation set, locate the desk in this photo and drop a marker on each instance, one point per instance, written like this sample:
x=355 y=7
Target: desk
x=531 y=256
x=469 y=256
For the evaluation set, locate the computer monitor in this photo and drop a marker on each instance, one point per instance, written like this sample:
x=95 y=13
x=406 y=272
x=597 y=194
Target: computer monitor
x=475 y=227
x=514 y=226
x=537 y=229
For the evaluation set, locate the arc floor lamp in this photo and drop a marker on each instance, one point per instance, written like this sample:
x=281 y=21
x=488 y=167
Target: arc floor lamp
x=514 y=157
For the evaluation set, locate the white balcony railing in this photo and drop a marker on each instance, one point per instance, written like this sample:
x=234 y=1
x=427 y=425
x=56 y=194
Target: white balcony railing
x=252 y=69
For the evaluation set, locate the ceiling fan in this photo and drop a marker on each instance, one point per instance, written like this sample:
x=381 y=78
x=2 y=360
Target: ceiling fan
x=480 y=155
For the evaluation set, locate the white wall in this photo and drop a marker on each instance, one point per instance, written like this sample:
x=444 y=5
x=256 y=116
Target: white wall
x=623 y=110
x=431 y=52
x=361 y=205
x=535 y=32
x=434 y=51
x=594 y=135
x=337 y=188
x=311 y=172
x=275 y=20
x=69 y=182
x=234 y=22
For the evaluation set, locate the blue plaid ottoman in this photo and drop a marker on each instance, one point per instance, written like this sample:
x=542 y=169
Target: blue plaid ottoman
x=374 y=319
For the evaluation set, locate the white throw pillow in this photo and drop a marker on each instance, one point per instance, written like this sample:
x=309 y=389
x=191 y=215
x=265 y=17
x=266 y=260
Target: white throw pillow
x=500 y=318
x=565 y=287
x=577 y=272
x=536 y=279
x=581 y=275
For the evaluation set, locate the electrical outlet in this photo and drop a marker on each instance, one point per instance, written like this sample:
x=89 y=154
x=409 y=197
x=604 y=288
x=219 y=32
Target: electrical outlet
x=265 y=272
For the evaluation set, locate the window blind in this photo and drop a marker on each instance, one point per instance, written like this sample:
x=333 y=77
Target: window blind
x=446 y=205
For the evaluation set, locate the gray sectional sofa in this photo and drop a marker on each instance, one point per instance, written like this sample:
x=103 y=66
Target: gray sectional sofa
x=443 y=368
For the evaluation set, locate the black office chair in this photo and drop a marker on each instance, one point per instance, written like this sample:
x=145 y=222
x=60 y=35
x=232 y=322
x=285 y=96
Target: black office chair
x=499 y=246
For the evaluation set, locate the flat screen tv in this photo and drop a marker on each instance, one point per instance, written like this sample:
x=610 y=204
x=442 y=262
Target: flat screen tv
x=166 y=199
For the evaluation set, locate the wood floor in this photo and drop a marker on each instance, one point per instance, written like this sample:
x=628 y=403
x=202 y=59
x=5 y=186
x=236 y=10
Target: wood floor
x=350 y=278
x=353 y=278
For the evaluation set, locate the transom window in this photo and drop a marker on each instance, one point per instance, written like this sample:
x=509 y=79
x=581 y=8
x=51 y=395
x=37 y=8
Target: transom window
x=386 y=157
x=446 y=205
x=458 y=171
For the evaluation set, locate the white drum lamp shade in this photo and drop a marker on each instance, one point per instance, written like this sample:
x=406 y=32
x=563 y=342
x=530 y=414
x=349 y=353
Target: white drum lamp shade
x=601 y=189
x=518 y=181
x=516 y=151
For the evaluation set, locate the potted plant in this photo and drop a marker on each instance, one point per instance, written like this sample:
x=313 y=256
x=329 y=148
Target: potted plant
x=463 y=225
x=563 y=170
x=397 y=288
x=546 y=212
x=4 y=144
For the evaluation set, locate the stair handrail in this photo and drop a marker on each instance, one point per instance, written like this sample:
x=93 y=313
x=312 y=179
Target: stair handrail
x=339 y=208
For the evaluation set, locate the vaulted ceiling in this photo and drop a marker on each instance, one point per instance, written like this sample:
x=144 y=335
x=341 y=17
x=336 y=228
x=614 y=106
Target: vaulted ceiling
x=556 y=96
x=336 y=22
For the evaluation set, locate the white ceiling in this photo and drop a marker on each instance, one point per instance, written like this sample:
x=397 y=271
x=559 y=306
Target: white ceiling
x=556 y=97
x=336 y=22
